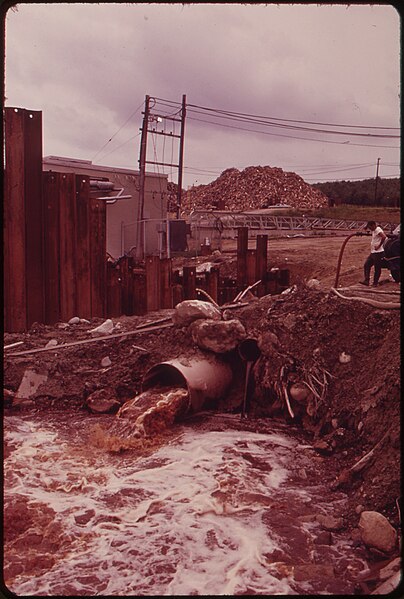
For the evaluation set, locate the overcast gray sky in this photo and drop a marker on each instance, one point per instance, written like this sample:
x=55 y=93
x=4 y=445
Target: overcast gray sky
x=296 y=69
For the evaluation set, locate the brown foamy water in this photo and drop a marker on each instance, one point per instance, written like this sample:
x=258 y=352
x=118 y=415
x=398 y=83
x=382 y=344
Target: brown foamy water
x=195 y=511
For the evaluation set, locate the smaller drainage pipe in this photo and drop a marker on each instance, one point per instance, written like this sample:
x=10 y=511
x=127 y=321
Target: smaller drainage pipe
x=205 y=377
x=249 y=352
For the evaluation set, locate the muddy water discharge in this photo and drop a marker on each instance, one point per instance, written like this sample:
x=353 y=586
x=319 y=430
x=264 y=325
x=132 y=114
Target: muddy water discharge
x=209 y=512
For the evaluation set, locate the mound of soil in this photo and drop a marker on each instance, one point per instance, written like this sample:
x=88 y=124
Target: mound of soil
x=252 y=188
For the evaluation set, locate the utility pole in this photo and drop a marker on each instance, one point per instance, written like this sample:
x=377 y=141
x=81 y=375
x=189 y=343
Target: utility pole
x=181 y=157
x=377 y=177
x=158 y=118
x=142 y=177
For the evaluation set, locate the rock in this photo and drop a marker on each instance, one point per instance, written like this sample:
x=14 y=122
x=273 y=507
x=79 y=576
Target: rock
x=377 y=532
x=313 y=571
x=105 y=362
x=323 y=538
x=299 y=392
x=219 y=336
x=344 y=358
x=103 y=329
x=84 y=321
x=103 y=401
x=313 y=284
x=359 y=508
x=391 y=568
x=30 y=383
x=52 y=343
x=189 y=310
x=74 y=320
x=330 y=522
x=322 y=446
x=389 y=585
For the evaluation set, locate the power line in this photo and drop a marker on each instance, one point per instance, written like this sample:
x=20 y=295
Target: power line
x=291 y=136
x=116 y=133
x=268 y=123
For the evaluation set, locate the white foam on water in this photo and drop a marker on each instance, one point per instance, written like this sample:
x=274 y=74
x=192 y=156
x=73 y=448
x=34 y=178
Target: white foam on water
x=187 y=519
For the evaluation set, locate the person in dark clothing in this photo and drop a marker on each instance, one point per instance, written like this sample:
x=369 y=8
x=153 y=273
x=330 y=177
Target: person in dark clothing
x=376 y=255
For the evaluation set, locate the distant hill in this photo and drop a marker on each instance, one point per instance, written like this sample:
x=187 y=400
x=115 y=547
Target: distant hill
x=362 y=193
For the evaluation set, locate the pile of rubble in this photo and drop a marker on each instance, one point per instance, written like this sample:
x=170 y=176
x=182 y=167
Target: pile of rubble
x=255 y=187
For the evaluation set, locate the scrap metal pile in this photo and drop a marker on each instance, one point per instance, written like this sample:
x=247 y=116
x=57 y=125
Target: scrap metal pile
x=255 y=187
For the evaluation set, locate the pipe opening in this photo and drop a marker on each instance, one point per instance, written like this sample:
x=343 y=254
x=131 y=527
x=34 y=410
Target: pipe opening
x=249 y=350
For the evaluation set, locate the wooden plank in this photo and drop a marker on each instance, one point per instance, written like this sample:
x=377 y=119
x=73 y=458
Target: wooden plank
x=15 y=297
x=189 y=282
x=98 y=254
x=83 y=278
x=242 y=248
x=67 y=245
x=34 y=271
x=50 y=194
x=152 y=264
x=166 y=293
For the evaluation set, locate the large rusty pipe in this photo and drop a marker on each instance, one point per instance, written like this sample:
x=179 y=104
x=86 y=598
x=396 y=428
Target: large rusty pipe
x=205 y=377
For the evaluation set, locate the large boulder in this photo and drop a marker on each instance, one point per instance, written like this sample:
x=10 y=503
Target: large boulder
x=189 y=310
x=219 y=336
x=377 y=532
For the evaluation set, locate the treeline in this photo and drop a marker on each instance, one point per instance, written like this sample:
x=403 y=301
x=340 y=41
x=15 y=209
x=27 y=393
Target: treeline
x=362 y=193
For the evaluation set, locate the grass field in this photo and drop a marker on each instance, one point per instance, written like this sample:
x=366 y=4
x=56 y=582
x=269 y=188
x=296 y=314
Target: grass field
x=351 y=212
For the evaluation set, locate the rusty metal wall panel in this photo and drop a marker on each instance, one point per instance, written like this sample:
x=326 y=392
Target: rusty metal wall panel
x=189 y=282
x=83 y=278
x=242 y=248
x=126 y=268
x=262 y=256
x=98 y=260
x=178 y=294
x=50 y=194
x=15 y=297
x=166 y=293
x=139 y=292
x=67 y=245
x=34 y=271
x=251 y=266
x=114 y=292
x=212 y=283
x=153 y=282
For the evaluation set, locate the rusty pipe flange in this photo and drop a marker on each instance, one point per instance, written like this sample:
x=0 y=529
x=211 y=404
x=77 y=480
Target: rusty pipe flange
x=206 y=378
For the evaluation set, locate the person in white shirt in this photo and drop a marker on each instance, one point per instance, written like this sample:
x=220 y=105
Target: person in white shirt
x=376 y=253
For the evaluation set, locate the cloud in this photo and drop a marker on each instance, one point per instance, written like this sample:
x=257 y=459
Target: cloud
x=89 y=66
